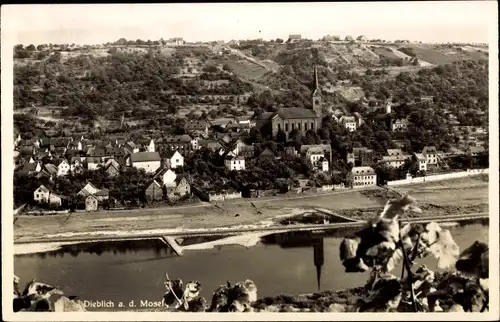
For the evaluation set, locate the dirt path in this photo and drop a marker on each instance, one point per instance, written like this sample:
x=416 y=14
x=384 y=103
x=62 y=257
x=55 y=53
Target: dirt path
x=242 y=212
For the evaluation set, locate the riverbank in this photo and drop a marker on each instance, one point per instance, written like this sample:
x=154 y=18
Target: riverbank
x=461 y=196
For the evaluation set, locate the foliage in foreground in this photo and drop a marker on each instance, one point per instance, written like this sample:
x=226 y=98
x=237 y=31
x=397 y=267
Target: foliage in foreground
x=379 y=247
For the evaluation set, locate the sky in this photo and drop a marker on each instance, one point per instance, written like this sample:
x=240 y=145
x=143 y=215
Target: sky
x=427 y=21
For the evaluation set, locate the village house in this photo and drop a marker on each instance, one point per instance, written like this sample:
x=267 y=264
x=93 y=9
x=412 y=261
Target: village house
x=93 y=163
x=112 y=167
x=151 y=146
x=349 y=122
x=324 y=165
x=293 y=38
x=267 y=154
x=317 y=149
x=235 y=164
x=363 y=176
x=247 y=152
x=175 y=42
x=475 y=150
x=212 y=145
x=363 y=156
x=290 y=153
x=362 y=39
x=395 y=158
x=431 y=155
x=166 y=176
x=90 y=189
x=181 y=189
x=44 y=195
x=154 y=191
x=221 y=122
x=173 y=159
x=181 y=143
x=91 y=203
x=148 y=161
x=30 y=168
x=63 y=167
x=400 y=125
x=197 y=127
x=231 y=147
x=422 y=161
x=130 y=147
x=351 y=159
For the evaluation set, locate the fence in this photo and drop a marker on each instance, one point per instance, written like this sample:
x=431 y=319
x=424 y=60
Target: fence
x=445 y=176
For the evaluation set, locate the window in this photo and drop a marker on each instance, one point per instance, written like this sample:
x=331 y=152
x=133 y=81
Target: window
x=293 y=126
x=279 y=127
x=286 y=127
x=177 y=160
x=298 y=126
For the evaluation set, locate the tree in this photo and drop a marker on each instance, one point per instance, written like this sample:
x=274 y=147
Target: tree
x=31 y=47
x=281 y=136
x=279 y=40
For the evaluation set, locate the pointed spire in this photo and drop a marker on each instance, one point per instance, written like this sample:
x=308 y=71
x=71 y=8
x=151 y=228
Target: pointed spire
x=319 y=259
x=316 y=83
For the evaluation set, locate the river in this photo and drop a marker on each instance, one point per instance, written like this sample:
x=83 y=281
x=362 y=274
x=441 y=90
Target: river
x=284 y=263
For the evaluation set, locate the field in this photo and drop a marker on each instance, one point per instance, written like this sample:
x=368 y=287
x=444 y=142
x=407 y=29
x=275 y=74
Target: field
x=246 y=69
x=469 y=195
x=438 y=56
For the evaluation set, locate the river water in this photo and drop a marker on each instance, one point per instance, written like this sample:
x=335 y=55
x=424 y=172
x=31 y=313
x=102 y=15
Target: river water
x=135 y=270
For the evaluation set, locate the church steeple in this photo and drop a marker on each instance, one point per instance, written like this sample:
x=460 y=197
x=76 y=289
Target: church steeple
x=319 y=259
x=316 y=95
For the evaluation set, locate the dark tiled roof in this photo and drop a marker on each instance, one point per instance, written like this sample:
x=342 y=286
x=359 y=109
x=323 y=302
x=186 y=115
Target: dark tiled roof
x=296 y=113
x=145 y=156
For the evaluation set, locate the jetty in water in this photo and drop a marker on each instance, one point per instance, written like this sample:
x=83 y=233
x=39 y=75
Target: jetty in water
x=167 y=236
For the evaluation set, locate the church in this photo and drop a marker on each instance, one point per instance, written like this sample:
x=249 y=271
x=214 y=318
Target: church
x=291 y=118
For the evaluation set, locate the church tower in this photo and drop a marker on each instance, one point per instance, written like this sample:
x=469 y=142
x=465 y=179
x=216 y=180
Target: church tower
x=316 y=95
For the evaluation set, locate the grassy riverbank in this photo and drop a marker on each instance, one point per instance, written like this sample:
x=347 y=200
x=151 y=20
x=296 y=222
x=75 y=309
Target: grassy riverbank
x=467 y=195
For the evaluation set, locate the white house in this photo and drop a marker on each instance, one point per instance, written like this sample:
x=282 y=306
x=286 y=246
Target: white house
x=324 y=165
x=195 y=143
x=395 y=158
x=63 y=168
x=314 y=156
x=41 y=195
x=235 y=164
x=363 y=176
x=400 y=125
x=430 y=154
x=151 y=147
x=174 y=159
x=349 y=122
x=167 y=177
x=89 y=189
x=422 y=162
x=149 y=161
x=93 y=163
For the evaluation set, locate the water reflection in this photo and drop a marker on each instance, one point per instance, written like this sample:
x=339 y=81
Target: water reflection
x=115 y=247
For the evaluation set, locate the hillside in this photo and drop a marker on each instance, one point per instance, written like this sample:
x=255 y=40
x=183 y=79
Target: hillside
x=139 y=81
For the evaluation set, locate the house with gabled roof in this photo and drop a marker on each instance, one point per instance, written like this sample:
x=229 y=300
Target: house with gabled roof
x=148 y=161
x=90 y=189
x=181 y=189
x=267 y=154
x=63 y=167
x=173 y=159
x=166 y=177
x=154 y=191
x=93 y=163
x=43 y=195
